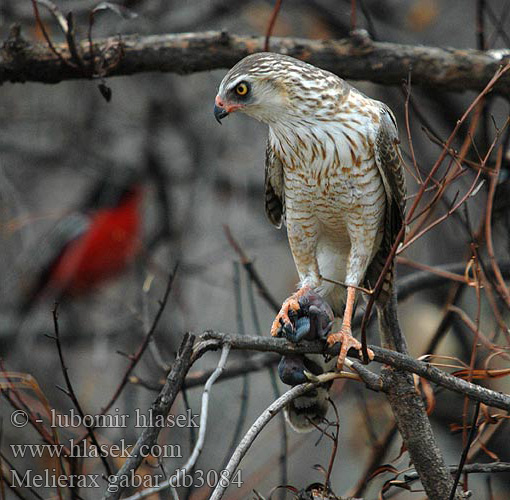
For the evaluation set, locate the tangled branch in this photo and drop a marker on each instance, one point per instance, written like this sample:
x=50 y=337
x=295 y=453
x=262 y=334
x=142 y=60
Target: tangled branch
x=160 y=407
x=355 y=58
x=214 y=340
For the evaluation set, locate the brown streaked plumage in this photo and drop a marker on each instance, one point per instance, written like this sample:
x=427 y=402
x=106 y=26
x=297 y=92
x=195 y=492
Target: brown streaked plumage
x=333 y=175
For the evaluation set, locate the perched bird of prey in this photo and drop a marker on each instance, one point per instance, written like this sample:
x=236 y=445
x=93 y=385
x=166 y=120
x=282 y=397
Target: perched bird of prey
x=333 y=176
x=89 y=246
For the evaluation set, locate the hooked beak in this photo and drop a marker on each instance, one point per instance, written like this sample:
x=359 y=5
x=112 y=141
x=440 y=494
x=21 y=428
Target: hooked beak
x=219 y=113
x=222 y=109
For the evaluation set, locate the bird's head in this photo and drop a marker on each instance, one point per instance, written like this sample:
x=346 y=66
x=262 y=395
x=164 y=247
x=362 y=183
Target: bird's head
x=273 y=87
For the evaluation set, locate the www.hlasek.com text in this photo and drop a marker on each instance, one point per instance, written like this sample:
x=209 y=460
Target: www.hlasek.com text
x=89 y=450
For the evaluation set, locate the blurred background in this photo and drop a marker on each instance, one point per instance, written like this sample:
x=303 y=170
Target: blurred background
x=157 y=136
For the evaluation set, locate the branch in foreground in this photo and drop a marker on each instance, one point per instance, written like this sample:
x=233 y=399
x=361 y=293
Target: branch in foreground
x=253 y=432
x=470 y=469
x=417 y=435
x=70 y=390
x=214 y=340
x=356 y=58
x=410 y=414
x=182 y=471
x=236 y=368
x=406 y=286
x=160 y=407
x=439 y=377
x=422 y=280
x=141 y=349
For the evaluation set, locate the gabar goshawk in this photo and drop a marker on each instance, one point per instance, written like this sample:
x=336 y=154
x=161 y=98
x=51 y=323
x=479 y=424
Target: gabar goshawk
x=335 y=178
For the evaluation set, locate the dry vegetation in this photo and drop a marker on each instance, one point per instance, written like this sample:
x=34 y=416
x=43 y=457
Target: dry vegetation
x=212 y=266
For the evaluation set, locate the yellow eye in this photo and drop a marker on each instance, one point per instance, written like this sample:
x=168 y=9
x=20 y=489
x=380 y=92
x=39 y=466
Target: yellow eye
x=242 y=89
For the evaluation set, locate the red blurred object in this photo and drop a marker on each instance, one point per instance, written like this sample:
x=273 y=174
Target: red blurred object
x=104 y=250
x=89 y=247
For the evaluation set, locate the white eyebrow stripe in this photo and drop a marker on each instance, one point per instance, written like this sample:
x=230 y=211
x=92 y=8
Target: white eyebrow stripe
x=236 y=82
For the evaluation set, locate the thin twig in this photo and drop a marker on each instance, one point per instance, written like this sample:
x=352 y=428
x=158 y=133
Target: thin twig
x=471 y=469
x=500 y=282
x=499 y=73
x=445 y=216
x=271 y=24
x=254 y=431
x=499 y=23
x=213 y=340
x=353 y=15
x=334 y=450
x=246 y=386
x=407 y=88
x=423 y=280
x=18 y=403
x=15 y=490
x=70 y=390
x=276 y=393
x=433 y=270
x=478 y=335
x=46 y=36
x=182 y=471
x=192 y=441
x=465 y=451
x=465 y=438
x=136 y=357
x=252 y=272
x=379 y=450
x=159 y=409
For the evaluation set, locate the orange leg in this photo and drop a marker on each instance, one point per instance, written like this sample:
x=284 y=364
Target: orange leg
x=292 y=303
x=345 y=334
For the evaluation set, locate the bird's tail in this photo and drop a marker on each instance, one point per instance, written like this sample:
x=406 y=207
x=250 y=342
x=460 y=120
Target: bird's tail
x=306 y=412
x=312 y=407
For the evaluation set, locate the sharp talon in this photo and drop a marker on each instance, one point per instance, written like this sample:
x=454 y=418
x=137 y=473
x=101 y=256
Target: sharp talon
x=288 y=330
x=333 y=338
x=288 y=315
x=371 y=355
x=340 y=364
x=345 y=337
x=276 y=329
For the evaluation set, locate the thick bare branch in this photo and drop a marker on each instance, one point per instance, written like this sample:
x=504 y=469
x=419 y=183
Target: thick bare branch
x=471 y=469
x=177 y=476
x=160 y=408
x=214 y=340
x=410 y=413
x=416 y=431
x=356 y=58
x=253 y=432
x=423 y=280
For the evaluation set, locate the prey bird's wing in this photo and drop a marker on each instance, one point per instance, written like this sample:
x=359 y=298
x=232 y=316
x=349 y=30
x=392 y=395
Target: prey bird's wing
x=389 y=164
x=273 y=187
